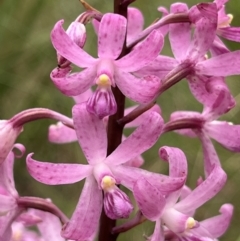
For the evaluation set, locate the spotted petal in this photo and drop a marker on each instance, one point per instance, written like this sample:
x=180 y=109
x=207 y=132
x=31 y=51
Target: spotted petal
x=111 y=35
x=137 y=143
x=91 y=134
x=68 y=49
x=204 y=192
x=55 y=174
x=85 y=219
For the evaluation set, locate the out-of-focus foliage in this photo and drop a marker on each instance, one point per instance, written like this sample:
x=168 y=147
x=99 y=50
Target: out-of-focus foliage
x=27 y=58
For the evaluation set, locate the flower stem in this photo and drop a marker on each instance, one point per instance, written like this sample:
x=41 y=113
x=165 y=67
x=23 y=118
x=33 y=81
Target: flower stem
x=114 y=134
x=42 y=204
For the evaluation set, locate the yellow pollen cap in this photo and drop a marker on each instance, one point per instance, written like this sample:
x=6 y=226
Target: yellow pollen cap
x=190 y=223
x=104 y=80
x=17 y=235
x=230 y=16
x=108 y=182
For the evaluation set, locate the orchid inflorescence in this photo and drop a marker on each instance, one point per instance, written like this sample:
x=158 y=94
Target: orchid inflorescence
x=129 y=64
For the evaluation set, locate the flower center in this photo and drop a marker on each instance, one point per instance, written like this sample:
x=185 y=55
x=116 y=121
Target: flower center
x=190 y=223
x=227 y=22
x=103 y=80
x=108 y=183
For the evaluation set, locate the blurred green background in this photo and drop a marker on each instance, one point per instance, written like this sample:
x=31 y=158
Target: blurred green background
x=27 y=58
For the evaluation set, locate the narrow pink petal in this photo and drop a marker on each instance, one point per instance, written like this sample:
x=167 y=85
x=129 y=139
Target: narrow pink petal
x=179 y=33
x=141 y=90
x=111 y=35
x=91 y=134
x=85 y=219
x=177 y=161
x=205 y=32
x=6 y=175
x=218 y=225
x=73 y=84
x=225 y=133
x=159 y=67
x=213 y=93
x=8 y=136
x=204 y=192
x=221 y=65
x=136 y=122
x=142 y=54
x=158 y=232
x=135 y=23
x=230 y=33
x=137 y=143
x=55 y=174
x=68 y=49
x=96 y=24
x=50 y=227
x=151 y=202
x=221 y=104
x=218 y=47
x=209 y=154
x=6 y=204
x=59 y=133
x=177 y=168
x=129 y=175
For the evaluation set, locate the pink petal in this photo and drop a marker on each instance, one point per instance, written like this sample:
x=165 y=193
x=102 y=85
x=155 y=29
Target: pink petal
x=73 y=84
x=209 y=154
x=205 y=32
x=136 y=122
x=211 y=92
x=179 y=33
x=8 y=135
x=218 y=47
x=142 y=90
x=85 y=219
x=59 y=133
x=221 y=65
x=50 y=227
x=158 y=232
x=177 y=161
x=55 y=174
x=83 y=97
x=111 y=35
x=7 y=203
x=151 y=202
x=137 y=143
x=218 y=225
x=221 y=104
x=177 y=167
x=204 y=192
x=68 y=49
x=225 y=133
x=6 y=176
x=91 y=134
x=230 y=33
x=142 y=54
x=135 y=23
x=129 y=175
x=159 y=67
x=95 y=24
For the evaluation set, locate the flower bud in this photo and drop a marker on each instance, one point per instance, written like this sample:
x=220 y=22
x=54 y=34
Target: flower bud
x=77 y=32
